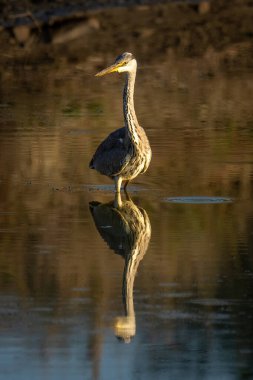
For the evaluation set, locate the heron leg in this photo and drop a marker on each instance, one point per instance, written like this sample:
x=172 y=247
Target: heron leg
x=118 y=181
x=117 y=200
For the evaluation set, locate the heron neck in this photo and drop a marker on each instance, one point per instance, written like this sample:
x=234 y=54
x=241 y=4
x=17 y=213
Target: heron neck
x=131 y=121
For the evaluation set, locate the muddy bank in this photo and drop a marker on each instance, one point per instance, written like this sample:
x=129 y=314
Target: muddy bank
x=219 y=32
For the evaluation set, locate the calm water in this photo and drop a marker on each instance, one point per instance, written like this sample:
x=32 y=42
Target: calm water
x=162 y=287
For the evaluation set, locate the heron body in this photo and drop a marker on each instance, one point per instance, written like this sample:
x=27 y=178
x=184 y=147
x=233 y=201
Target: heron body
x=126 y=152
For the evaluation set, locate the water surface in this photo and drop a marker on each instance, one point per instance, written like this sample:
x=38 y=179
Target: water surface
x=159 y=288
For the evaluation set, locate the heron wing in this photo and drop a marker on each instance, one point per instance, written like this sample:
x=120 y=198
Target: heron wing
x=112 y=154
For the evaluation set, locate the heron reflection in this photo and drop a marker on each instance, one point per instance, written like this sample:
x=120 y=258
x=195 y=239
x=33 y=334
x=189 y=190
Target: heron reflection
x=126 y=229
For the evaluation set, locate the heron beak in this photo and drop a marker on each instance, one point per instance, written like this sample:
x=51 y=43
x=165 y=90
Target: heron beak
x=111 y=69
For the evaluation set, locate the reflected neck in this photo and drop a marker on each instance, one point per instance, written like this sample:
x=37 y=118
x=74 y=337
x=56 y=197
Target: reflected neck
x=130 y=269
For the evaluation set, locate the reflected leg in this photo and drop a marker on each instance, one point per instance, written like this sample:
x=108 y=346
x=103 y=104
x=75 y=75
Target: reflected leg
x=125 y=185
x=127 y=195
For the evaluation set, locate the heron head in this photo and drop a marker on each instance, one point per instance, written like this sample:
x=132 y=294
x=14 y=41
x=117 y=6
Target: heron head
x=123 y=63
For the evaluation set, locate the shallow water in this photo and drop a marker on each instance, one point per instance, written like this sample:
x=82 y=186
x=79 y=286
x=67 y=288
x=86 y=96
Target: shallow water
x=162 y=287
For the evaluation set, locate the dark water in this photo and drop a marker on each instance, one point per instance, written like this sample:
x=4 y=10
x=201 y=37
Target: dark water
x=162 y=287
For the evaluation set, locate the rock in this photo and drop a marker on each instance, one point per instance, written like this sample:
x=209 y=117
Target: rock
x=75 y=31
x=67 y=34
x=146 y=32
x=22 y=33
x=204 y=7
x=93 y=22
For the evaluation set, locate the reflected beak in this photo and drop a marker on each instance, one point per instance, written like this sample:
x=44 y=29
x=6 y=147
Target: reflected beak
x=111 y=69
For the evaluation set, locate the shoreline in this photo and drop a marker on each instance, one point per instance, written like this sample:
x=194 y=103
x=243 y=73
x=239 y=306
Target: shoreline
x=215 y=32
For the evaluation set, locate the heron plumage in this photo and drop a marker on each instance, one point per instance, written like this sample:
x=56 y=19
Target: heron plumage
x=126 y=152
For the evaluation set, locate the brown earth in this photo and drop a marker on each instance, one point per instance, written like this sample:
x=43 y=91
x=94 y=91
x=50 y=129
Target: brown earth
x=220 y=32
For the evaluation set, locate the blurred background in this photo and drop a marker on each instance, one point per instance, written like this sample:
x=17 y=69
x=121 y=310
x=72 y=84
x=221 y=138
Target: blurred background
x=88 y=31
x=162 y=287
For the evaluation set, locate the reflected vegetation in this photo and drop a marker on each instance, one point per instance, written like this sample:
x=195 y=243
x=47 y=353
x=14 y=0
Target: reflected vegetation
x=126 y=229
